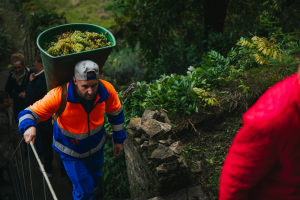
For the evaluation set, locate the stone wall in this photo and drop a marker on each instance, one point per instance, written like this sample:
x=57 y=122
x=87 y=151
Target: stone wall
x=155 y=164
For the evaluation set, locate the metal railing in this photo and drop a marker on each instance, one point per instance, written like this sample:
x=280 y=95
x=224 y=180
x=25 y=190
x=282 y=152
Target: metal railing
x=30 y=51
x=20 y=174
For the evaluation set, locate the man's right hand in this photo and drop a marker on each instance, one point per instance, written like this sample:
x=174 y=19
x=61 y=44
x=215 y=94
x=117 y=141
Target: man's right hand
x=22 y=95
x=30 y=134
x=31 y=77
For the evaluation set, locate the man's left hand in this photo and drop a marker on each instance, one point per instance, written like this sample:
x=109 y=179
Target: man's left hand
x=31 y=77
x=118 y=148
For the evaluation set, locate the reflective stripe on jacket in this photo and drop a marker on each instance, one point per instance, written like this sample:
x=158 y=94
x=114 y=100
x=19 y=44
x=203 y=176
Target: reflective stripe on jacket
x=75 y=133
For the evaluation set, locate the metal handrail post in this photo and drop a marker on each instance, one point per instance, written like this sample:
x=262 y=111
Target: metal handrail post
x=19 y=177
x=16 y=181
x=23 y=170
x=30 y=169
x=43 y=170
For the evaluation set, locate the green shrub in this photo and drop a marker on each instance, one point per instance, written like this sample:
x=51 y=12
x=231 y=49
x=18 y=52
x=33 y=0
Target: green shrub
x=5 y=44
x=114 y=171
x=287 y=66
x=123 y=67
x=44 y=19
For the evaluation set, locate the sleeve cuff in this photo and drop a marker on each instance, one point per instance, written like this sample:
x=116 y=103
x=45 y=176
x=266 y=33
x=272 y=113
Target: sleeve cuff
x=119 y=136
x=25 y=124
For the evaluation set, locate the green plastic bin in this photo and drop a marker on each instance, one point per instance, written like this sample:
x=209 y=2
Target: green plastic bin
x=59 y=69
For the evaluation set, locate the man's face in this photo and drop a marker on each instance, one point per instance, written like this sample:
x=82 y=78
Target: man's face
x=38 y=66
x=86 y=89
x=6 y=104
x=18 y=68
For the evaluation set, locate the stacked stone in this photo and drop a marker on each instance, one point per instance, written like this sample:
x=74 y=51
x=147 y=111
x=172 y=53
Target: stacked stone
x=163 y=157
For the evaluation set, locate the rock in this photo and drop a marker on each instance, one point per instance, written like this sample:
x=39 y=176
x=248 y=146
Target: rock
x=156 y=198
x=162 y=141
x=138 y=140
x=196 y=193
x=161 y=169
x=155 y=129
x=145 y=145
x=134 y=133
x=142 y=181
x=163 y=154
x=151 y=141
x=197 y=167
x=169 y=140
x=135 y=124
x=151 y=149
x=170 y=166
x=145 y=156
x=182 y=163
x=177 y=147
x=144 y=137
x=149 y=114
x=163 y=117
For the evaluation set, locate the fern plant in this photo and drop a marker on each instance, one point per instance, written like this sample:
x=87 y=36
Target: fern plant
x=287 y=66
x=202 y=94
x=262 y=49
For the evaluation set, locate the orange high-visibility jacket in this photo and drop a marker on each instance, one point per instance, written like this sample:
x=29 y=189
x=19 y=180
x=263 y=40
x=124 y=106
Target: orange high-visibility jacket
x=75 y=133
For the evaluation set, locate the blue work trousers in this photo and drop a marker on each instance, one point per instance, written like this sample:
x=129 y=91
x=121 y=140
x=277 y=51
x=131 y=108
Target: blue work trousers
x=84 y=174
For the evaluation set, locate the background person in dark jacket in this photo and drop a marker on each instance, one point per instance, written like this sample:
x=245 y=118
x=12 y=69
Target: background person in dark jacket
x=17 y=82
x=36 y=90
x=8 y=135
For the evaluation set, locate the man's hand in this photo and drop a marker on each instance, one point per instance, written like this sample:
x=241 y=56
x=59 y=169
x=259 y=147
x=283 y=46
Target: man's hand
x=31 y=77
x=118 y=148
x=30 y=134
x=22 y=95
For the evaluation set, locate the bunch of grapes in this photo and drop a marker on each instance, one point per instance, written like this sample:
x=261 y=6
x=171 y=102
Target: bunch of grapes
x=75 y=42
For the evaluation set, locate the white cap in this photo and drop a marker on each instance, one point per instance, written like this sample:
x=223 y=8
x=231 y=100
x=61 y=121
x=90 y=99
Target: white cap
x=86 y=70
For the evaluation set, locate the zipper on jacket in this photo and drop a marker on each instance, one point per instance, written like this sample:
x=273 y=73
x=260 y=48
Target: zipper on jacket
x=89 y=135
x=88 y=115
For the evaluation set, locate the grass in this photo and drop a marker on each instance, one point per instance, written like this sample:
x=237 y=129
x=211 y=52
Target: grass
x=81 y=11
x=212 y=150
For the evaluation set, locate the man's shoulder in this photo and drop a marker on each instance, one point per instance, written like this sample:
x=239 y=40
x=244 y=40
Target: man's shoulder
x=108 y=85
x=56 y=90
x=30 y=71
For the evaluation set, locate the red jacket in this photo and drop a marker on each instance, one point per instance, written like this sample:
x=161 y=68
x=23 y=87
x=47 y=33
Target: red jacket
x=264 y=159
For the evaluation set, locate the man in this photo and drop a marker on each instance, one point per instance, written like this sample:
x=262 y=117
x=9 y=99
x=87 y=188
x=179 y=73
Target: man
x=8 y=135
x=264 y=159
x=36 y=90
x=79 y=131
x=17 y=82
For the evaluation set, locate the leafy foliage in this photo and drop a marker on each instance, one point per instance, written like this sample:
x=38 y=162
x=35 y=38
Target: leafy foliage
x=5 y=44
x=169 y=33
x=114 y=171
x=44 y=19
x=204 y=96
x=287 y=66
x=123 y=67
x=262 y=49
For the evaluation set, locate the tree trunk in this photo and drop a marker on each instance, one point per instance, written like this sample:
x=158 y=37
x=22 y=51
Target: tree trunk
x=215 y=15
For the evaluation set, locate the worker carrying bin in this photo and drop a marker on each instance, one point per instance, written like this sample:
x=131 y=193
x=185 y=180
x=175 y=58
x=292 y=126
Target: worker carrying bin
x=77 y=99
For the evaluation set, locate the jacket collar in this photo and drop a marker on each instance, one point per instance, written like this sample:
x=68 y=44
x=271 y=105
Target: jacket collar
x=71 y=96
